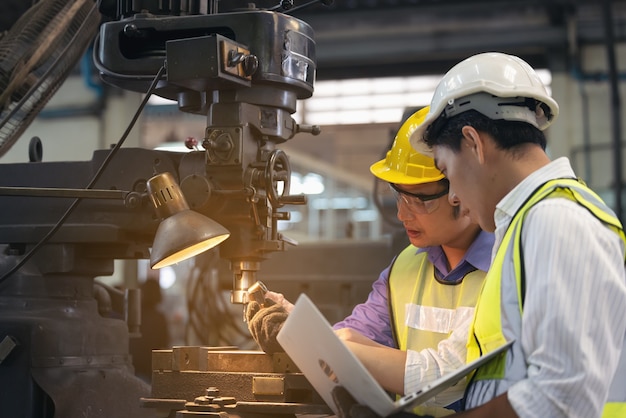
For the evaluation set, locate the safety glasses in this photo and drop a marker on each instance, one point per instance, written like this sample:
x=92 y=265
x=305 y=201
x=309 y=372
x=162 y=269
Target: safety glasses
x=418 y=203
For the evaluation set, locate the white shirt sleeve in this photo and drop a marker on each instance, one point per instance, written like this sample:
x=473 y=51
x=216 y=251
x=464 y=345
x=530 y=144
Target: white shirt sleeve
x=573 y=320
x=427 y=365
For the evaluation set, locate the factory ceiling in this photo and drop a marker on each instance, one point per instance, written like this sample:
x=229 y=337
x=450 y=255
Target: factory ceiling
x=399 y=37
x=368 y=38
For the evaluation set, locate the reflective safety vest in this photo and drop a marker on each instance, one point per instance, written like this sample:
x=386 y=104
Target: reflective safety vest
x=488 y=329
x=424 y=311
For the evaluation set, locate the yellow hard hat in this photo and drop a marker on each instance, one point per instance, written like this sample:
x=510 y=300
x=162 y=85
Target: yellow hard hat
x=404 y=164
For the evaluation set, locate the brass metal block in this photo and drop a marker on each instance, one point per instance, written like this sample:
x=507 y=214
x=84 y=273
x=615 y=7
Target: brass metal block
x=263 y=385
x=240 y=361
x=189 y=358
x=161 y=359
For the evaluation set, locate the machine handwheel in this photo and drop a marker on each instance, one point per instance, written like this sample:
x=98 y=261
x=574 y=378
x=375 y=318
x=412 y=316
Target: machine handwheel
x=277 y=169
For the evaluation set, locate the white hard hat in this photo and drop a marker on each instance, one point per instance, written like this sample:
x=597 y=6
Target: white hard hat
x=494 y=84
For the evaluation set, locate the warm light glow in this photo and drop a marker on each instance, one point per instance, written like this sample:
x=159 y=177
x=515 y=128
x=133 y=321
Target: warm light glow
x=183 y=235
x=189 y=252
x=167 y=277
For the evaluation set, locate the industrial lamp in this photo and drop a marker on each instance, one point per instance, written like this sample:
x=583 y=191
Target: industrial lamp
x=183 y=233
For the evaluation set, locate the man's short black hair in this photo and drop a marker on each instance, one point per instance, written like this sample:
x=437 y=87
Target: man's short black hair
x=507 y=134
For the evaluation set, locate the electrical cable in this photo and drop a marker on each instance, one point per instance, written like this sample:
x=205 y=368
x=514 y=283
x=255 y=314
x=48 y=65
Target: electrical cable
x=211 y=321
x=93 y=181
x=104 y=70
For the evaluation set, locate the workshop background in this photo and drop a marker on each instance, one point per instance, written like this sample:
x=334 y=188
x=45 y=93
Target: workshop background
x=376 y=61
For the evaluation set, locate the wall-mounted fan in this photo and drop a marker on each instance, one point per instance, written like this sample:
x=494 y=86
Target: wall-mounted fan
x=36 y=56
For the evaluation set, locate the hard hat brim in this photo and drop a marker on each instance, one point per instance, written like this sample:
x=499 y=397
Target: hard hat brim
x=381 y=170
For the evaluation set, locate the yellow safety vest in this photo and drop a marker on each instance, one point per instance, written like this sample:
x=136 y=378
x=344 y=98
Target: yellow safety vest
x=432 y=307
x=486 y=332
x=424 y=311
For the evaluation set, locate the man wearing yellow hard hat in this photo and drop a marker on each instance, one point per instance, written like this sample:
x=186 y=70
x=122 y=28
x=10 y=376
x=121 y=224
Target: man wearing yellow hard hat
x=418 y=313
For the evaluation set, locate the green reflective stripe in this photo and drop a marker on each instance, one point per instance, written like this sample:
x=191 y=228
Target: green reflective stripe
x=485 y=333
x=496 y=368
x=488 y=336
x=517 y=264
x=614 y=410
x=408 y=270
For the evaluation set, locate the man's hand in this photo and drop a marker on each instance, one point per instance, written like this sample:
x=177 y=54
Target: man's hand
x=280 y=299
x=264 y=324
x=348 y=407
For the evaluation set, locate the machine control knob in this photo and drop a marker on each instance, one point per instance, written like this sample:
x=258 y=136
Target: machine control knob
x=286 y=4
x=249 y=62
x=191 y=143
x=312 y=129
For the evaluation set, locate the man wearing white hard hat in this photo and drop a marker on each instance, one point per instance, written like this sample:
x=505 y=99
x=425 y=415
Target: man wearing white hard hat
x=557 y=284
x=413 y=327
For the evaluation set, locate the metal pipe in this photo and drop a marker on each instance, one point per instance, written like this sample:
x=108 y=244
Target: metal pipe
x=60 y=192
x=615 y=108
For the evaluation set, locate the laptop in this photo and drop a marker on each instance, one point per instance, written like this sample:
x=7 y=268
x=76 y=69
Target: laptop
x=311 y=343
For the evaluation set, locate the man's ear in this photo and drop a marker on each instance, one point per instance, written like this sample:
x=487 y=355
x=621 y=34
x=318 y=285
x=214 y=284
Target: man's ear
x=474 y=142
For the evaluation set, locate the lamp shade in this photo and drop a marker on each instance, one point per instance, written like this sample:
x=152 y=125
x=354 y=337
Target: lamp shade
x=182 y=233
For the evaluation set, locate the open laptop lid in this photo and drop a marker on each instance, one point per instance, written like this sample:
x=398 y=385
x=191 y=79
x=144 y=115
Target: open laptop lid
x=311 y=343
